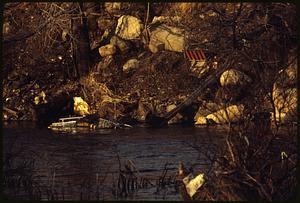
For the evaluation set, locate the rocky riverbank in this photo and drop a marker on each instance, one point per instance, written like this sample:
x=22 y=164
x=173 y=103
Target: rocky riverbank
x=142 y=68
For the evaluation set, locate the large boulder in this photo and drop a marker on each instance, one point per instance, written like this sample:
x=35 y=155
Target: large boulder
x=285 y=101
x=232 y=113
x=129 y=27
x=234 y=77
x=107 y=50
x=168 y=38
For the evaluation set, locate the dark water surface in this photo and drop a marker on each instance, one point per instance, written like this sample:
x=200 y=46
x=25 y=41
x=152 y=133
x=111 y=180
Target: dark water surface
x=85 y=165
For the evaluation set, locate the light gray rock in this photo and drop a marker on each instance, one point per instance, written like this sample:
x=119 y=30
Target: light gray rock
x=123 y=45
x=129 y=27
x=232 y=113
x=107 y=50
x=6 y=28
x=234 y=77
x=199 y=68
x=168 y=38
x=130 y=65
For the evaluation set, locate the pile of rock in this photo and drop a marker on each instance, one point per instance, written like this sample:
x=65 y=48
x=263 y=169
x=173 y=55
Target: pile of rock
x=284 y=96
x=130 y=29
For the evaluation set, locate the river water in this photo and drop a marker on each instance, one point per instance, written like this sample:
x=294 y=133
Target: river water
x=86 y=165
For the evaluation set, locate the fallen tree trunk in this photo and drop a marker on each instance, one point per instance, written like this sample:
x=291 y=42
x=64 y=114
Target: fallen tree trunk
x=157 y=121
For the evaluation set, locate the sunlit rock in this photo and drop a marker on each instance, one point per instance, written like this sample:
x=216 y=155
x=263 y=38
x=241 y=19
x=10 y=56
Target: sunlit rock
x=40 y=99
x=204 y=109
x=230 y=114
x=6 y=27
x=107 y=50
x=199 y=68
x=201 y=120
x=177 y=117
x=129 y=27
x=5 y=116
x=193 y=184
x=166 y=19
x=123 y=45
x=211 y=13
x=36 y=100
x=80 y=106
x=168 y=38
x=64 y=35
x=131 y=64
x=113 y=7
x=234 y=77
x=285 y=101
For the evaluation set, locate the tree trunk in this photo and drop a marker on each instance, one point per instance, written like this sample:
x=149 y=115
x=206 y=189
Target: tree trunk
x=81 y=45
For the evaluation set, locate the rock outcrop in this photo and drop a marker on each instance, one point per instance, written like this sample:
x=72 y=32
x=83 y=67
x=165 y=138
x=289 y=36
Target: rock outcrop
x=168 y=38
x=129 y=27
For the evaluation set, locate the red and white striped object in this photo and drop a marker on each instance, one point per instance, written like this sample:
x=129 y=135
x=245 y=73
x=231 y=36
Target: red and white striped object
x=195 y=55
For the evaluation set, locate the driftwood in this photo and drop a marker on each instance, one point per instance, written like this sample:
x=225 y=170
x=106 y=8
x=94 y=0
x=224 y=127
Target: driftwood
x=10 y=111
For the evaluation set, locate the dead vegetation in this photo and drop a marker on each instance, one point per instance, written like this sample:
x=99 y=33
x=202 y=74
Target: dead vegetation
x=252 y=166
x=258 y=162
